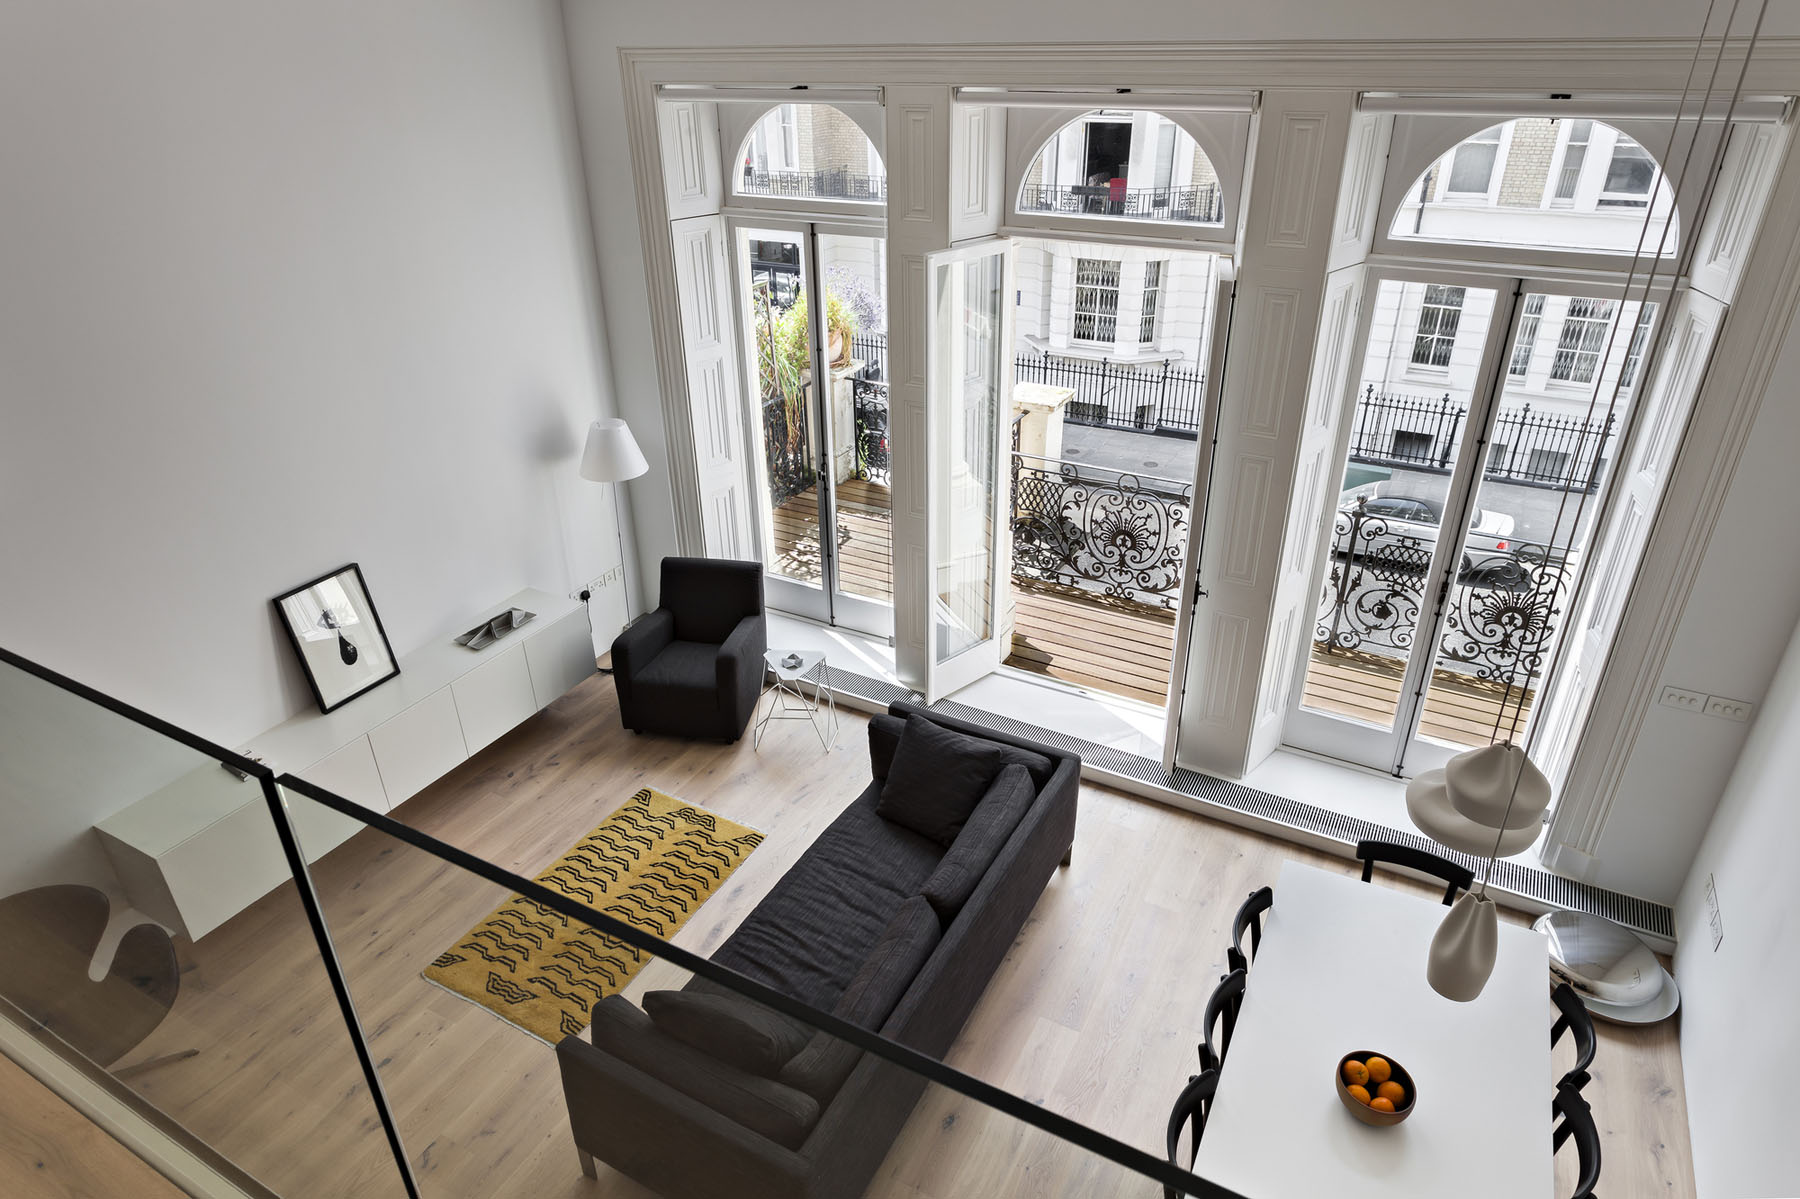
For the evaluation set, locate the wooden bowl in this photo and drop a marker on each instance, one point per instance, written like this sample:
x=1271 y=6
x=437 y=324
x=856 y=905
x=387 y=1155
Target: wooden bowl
x=1363 y=1111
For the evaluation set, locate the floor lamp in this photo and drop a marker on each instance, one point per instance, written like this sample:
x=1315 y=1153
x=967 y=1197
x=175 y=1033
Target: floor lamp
x=612 y=456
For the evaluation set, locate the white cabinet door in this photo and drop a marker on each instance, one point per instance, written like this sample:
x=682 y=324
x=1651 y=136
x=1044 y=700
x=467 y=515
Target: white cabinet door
x=494 y=697
x=224 y=868
x=417 y=746
x=560 y=657
x=349 y=773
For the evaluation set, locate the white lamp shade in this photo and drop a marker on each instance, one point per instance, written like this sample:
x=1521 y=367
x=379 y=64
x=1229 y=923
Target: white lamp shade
x=612 y=453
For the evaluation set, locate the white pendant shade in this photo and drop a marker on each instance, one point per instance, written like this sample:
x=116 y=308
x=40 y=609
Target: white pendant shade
x=612 y=453
x=1464 y=804
x=1462 y=952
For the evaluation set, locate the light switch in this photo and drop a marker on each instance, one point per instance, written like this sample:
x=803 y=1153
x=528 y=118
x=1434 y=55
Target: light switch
x=1730 y=709
x=1681 y=700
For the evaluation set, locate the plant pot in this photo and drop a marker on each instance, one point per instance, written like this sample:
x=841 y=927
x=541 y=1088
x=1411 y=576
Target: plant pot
x=839 y=346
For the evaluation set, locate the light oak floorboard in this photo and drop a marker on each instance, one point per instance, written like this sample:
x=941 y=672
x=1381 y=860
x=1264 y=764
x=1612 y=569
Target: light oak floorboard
x=48 y=1150
x=1094 y=1014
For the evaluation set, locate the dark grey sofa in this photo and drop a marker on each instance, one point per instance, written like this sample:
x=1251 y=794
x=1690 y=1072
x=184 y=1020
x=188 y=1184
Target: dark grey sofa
x=694 y=667
x=686 y=1124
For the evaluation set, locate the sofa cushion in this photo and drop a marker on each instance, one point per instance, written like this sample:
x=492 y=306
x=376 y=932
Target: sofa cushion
x=808 y=937
x=979 y=843
x=736 y=1030
x=777 y=1111
x=687 y=666
x=884 y=739
x=906 y=944
x=937 y=778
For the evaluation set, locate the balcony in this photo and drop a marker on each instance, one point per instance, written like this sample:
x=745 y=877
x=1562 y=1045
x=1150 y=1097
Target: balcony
x=1192 y=205
x=830 y=183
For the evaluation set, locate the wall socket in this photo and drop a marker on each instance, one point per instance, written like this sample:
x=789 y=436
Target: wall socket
x=1714 y=923
x=1683 y=700
x=602 y=580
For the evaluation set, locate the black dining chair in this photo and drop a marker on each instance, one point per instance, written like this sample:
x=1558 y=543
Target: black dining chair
x=1578 y=1122
x=1191 y=1107
x=1575 y=1020
x=1221 y=1018
x=1249 y=917
x=1456 y=878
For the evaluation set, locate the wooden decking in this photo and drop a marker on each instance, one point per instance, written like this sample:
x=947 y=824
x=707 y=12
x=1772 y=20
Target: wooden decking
x=1458 y=709
x=1060 y=632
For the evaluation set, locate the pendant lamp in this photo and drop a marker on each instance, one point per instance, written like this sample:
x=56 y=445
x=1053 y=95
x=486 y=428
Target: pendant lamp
x=1488 y=801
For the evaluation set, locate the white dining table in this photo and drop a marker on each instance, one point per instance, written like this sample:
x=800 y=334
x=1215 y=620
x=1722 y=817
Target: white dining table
x=1342 y=968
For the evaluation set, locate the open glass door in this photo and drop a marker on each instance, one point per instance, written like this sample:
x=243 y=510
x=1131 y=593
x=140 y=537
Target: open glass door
x=818 y=387
x=968 y=398
x=1431 y=350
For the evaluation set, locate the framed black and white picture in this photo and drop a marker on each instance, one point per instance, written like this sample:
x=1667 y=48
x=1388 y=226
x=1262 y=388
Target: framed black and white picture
x=339 y=638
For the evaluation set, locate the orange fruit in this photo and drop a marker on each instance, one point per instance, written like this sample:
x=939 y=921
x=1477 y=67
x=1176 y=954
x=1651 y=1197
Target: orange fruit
x=1382 y=1105
x=1360 y=1094
x=1355 y=1072
x=1393 y=1092
x=1379 y=1070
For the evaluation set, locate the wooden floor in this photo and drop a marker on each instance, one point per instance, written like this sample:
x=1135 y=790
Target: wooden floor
x=1458 y=709
x=1094 y=1013
x=48 y=1150
x=1113 y=646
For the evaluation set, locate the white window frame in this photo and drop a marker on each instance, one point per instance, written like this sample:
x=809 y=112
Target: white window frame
x=1412 y=354
x=1152 y=301
x=1594 y=334
x=1502 y=145
x=1529 y=322
x=1096 y=292
x=1565 y=141
x=1626 y=201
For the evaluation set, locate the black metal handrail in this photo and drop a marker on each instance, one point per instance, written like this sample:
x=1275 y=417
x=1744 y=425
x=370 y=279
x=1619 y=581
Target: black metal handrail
x=1156 y=397
x=1116 y=534
x=825 y=183
x=1395 y=428
x=1200 y=205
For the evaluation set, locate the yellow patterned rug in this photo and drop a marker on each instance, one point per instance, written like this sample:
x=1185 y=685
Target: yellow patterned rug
x=651 y=864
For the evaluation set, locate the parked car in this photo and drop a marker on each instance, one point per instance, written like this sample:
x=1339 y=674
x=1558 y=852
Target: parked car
x=1398 y=529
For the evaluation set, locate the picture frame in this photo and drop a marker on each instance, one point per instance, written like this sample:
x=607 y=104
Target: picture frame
x=337 y=635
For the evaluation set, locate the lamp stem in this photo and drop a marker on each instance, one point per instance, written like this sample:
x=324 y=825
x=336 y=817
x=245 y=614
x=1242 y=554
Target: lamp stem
x=624 y=571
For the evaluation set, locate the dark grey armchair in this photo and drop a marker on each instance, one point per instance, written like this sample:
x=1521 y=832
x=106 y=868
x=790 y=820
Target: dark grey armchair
x=694 y=667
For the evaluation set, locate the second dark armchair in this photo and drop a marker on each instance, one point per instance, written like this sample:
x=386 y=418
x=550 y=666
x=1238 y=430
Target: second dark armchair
x=694 y=667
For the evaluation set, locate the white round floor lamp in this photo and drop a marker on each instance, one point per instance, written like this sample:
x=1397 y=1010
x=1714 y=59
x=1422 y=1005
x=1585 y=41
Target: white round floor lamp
x=612 y=456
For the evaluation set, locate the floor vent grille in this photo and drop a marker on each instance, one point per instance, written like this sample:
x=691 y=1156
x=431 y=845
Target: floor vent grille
x=1530 y=882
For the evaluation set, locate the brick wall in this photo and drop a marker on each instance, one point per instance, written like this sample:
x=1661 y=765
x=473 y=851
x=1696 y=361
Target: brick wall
x=1528 y=162
x=829 y=139
x=1203 y=174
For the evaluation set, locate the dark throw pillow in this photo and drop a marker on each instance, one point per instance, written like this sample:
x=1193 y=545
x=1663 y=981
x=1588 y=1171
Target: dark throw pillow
x=884 y=739
x=980 y=842
x=904 y=948
x=733 y=1029
x=936 y=779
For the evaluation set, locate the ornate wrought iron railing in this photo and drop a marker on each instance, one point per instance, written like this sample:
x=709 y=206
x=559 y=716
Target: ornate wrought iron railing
x=1157 y=397
x=827 y=183
x=869 y=404
x=1108 y=532
x=1199 y=205
x=1396 y=428
x=787 y=450
x=1501 y=610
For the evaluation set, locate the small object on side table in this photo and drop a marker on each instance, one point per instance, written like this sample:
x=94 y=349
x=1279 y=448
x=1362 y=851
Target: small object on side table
x=787 y=697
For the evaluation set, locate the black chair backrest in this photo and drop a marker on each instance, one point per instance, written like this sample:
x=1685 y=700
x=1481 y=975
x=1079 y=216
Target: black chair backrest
x=1574 y=1019
x=1249 y=917
x=1221 y=1019
x=709 y=596
x=1578 y=1122
x=1457 y=878
x=1190 y=1109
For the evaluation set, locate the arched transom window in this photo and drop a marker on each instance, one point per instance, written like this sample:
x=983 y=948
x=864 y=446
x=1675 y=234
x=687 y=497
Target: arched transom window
x=1130 y=164
x=812 y=151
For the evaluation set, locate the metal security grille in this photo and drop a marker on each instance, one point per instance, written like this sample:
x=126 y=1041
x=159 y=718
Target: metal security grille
x=1153 y=272
x=1439 y=316
x=1583 y=337
x=1520 y=366
x=1096 y=299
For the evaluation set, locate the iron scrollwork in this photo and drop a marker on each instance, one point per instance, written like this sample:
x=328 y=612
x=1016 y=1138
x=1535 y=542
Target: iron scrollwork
x=1120 y=534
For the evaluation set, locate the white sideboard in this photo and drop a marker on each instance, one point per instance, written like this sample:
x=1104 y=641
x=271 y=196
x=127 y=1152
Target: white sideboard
x=202 y=849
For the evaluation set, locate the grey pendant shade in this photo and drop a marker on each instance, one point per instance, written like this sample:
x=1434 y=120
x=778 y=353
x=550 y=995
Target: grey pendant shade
x=1488 y=802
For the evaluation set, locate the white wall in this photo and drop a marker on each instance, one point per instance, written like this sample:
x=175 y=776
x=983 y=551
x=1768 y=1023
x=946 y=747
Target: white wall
x=284 y=286
x=1739 y=1043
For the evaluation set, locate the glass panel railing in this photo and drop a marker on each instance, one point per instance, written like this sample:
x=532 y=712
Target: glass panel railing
x=128 y=851
x=628 y=1006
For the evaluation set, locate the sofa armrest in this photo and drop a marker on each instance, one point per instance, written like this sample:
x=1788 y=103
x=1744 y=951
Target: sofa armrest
x=633 y=648
x=741 y=666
